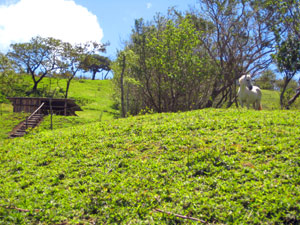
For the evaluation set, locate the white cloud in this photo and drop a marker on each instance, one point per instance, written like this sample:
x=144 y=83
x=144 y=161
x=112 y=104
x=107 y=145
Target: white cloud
x=149 y=5
x=61 y=19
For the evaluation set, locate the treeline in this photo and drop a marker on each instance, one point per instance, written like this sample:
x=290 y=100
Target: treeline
x=48 y=57
x=176 y=62
x=192 y=60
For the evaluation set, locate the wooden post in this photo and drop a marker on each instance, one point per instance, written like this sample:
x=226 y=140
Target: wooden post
x=51 y=113
x=65 y=108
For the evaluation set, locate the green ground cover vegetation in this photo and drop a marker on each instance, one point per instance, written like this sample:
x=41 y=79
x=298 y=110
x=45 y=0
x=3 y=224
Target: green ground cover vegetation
x=232 y=166
x=95 y=97
x=218 y=165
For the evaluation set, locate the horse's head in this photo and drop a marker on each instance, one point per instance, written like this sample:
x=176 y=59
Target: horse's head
x=245 y=80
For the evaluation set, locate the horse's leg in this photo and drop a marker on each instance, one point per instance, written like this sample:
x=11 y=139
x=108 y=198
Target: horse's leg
x=258 y=105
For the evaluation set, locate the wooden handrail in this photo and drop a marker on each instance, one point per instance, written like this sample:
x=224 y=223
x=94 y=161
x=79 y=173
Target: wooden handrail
x=32 y=114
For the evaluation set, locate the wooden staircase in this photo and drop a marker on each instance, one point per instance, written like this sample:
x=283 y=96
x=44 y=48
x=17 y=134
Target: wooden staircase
x=32 y=121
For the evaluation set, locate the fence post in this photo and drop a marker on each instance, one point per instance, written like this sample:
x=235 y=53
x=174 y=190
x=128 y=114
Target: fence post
x=65 y=107
x=51 y=112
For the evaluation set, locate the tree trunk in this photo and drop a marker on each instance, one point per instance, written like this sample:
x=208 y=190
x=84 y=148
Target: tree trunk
x=68 y=86
x=122 y=87
x=293 y=99
x=34 y=88
x=286 y=82
x=36 y=82
x=94 y=75
x=105 y=77
x=213 y=96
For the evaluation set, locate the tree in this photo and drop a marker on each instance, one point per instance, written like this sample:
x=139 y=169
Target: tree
x=72 y=57
x=166 y=68
x=288 y=62
x=284 y=22
x=266 y=80
x=126 y=88
x=96 y=64
x=5 y=77
x=178 y=66
x=122 y=84
x=237 y=42
x=12 y=84
x=282 y=16
x=37 y=57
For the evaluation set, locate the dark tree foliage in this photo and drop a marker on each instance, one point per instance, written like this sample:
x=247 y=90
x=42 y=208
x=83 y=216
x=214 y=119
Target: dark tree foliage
x=166 y=69
x=283 y=20
x=237 y=43
x=43 y=57
x=288 y=62
x=96 y=64
x=12 y=84
x=37 y=57
x=267 y=80
x=191 y=61
x=72 y=58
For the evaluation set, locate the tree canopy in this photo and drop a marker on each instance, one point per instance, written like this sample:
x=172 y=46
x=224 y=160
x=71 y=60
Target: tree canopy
x=41 y=57
x=192 y=60
x=72 y=59
x=95 y=63
x=165 y=68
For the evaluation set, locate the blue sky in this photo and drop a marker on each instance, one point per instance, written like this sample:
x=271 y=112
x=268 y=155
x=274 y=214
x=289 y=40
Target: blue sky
x=78 y=20
x=116 y=17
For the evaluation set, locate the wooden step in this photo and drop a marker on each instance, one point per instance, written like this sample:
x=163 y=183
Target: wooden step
x=17 y=134
x=31 y=123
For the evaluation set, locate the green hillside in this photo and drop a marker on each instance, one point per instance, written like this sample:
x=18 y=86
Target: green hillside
x=95 y=99
x=270 y=100
x=219 y=166
x=93 y=96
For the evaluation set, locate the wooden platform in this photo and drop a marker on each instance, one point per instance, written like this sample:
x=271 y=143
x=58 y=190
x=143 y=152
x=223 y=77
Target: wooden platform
x=39 y=107
x=66 y=107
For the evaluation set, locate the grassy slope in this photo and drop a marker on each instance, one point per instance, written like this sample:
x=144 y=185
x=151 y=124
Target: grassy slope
x=221 y=166
x=9 y=120
x=94 y=97
x=270 y=100
x=98 y=97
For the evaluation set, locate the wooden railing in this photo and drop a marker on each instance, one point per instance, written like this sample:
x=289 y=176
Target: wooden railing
x=32 y=114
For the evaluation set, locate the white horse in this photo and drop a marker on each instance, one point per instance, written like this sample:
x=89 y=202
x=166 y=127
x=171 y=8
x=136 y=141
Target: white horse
x=248 y=93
